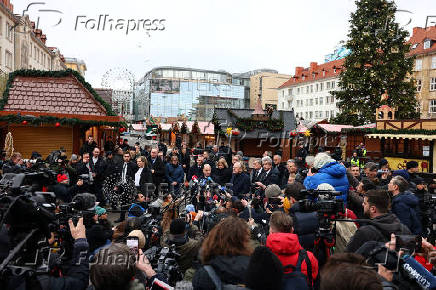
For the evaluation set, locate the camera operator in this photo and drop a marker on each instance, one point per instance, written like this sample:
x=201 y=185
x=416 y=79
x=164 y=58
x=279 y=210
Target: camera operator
x=284 y=243
x=187 y=246
x=14 y=165
x=115 y=268
x=75 y=274
x=138 y=207
x=329 y=171
x=381 y=225
x=405 y=205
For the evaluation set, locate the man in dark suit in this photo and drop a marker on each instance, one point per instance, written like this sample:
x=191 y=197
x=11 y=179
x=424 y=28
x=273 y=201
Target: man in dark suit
x=256 y=173
x=98 y=167
x=128 y=170
x=196 y=169
x=269 y=175
x=88 y=146
x=157 y=169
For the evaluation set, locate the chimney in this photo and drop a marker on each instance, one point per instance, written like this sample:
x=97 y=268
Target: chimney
x=43 y=38
x=298 y=70
x=313 y=66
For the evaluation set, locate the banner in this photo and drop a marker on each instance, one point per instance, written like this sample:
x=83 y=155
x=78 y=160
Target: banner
x=396 y=163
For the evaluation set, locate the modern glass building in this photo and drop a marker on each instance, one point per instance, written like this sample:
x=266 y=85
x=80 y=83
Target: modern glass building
x=194 y=93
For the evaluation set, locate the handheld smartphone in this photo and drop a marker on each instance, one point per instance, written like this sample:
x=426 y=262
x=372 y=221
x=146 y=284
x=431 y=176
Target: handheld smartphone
x=409 y=243
x=133 y=244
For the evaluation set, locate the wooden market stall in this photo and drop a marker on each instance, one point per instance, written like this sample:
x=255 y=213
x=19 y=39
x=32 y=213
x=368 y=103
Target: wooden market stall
x=47 y=110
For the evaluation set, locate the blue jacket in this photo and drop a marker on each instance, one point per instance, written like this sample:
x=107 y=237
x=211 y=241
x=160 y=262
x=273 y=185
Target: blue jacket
x=174 y=173
x=406 y=207
x=240 y=183
x=332 y=173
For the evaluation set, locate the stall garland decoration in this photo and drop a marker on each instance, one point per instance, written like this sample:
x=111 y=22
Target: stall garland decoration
x=25 y=120
x=249 y=124
x=389 y=131
x=55 y=74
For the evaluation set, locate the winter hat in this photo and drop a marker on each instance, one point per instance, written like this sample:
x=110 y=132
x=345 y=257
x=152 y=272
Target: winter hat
x=190 y=208
x=178 y=227
x=141 y=237
x=325 y=186
x=265 y=271
x=100 y=210
x=419 y=180
x=74 y=157
x=382 y=163
x=62 y=177
x=322 y=159
x=272 y=190
x=412 y=164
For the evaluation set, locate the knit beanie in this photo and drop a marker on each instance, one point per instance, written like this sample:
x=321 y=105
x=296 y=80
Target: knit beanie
x=322 y=159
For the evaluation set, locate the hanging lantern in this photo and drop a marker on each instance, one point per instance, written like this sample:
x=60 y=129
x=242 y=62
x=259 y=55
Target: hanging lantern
x=235 y=132
x=122 y=129
x=293 y=133
x=57 y=124
x=24 y=122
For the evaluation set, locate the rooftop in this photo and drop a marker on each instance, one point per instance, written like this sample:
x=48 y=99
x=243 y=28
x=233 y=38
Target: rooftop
x=315 y=72
x=418 y=38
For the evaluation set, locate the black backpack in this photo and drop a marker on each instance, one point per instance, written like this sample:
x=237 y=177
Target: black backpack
x=296 y=279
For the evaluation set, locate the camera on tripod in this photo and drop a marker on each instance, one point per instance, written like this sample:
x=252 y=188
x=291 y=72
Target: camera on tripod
x=163 y=260
x=322 y=201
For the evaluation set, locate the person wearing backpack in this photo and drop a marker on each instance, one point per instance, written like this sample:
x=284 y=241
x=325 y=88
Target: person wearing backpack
x=225 y=256
x=300 y=266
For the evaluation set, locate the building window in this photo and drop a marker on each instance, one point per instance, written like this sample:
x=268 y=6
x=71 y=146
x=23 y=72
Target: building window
x=323 y=73
x=332 y=99
x=307 y=89
x=433 y=62
x=1 y=25
x=327 y=114
x=432 y=106
x=289 y=104
x=328 y=85
x=317 y=87
x=311 y=115
x=427 y=43
x=332 y=114
x=8 y=60
x=327 y=100
x=333 y=84
x=418 y=85
x=321 y=101
x=432 y=84
x=306 y=115
x=8 y=31
x=289 y=92
x=320 y=114
x=311 y=102
x=298 y=91
x=311 y=88
x=418 y=65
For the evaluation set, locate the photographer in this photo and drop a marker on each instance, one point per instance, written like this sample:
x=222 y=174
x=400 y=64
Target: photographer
x=381 y=224
x=14 y=165
x=138 y=207
x=114 y=268
x=63 y=190
x=187 y=246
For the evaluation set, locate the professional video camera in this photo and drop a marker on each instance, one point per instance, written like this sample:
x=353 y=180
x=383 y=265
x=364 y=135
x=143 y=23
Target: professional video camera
x=163 y=260
x=322 y=201
x=85 y=178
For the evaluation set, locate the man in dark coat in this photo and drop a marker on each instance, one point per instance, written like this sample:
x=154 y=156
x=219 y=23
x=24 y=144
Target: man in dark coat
x=196 y=170
x=88 y=146
x=270 y=175
x=98 y=166
x=157 y=169
x=382 y=223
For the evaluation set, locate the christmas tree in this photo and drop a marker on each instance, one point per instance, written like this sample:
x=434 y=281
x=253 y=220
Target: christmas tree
x=376 y=66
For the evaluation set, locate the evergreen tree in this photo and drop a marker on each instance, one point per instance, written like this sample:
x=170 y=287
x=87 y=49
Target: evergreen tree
x=376 y=65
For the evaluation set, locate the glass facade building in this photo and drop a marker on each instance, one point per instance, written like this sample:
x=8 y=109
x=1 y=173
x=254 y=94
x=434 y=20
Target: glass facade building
x=172 y=92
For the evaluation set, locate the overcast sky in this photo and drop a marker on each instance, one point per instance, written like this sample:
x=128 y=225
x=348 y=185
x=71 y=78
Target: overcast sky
x=232 y=35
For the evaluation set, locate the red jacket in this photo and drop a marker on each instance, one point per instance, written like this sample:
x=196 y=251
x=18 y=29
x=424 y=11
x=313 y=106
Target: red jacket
x=286 y=246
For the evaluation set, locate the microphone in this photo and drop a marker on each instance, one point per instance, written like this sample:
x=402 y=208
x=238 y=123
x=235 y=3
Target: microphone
x=195 y=178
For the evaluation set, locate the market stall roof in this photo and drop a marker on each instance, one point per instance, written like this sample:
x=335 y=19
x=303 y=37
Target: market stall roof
x=50 y=95
x=403 y=136
x=332 y=128
x=206 y=128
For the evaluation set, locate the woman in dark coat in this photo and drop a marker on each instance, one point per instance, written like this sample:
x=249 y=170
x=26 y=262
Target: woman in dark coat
x=222 y=173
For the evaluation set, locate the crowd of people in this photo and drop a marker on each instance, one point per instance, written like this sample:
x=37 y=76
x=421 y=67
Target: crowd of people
x=237 y=223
